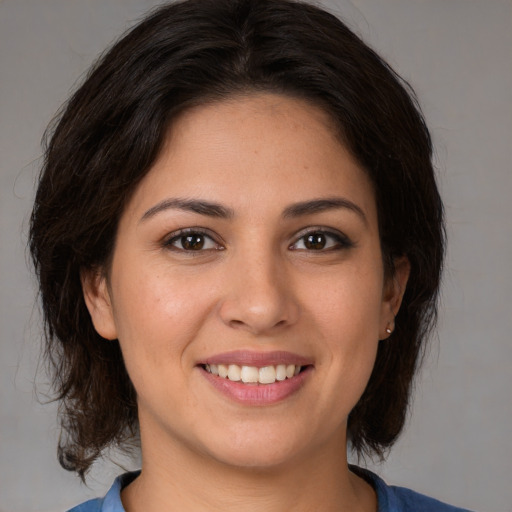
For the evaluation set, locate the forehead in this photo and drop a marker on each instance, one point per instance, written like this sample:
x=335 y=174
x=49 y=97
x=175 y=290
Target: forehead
x=263 y=149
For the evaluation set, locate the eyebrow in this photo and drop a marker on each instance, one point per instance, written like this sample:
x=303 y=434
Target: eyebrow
x=211 y=209
x=321 y=205
x=190 y=205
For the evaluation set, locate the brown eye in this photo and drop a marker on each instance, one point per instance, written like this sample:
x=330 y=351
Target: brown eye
x=315 y=241
x=322 y=241
x=192 y=242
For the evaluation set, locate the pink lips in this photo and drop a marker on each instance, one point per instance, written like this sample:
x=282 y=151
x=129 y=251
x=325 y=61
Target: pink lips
x=258 y=394
x=260 y=359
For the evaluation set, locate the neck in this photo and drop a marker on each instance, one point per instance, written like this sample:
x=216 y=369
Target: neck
x=179 y=478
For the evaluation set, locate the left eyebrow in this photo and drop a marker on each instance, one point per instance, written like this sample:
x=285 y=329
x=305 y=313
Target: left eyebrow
x=321 y=205
x=200 y=207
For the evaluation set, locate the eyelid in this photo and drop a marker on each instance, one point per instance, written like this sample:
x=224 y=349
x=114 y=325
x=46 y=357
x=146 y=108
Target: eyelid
x=170 y=237
x=344 y=241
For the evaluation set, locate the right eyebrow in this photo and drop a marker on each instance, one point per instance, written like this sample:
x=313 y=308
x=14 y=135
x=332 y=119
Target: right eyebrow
x=323 y=204
x=201 y=207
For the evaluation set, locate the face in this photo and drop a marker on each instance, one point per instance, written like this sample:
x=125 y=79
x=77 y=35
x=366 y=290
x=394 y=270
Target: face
x=250 y=248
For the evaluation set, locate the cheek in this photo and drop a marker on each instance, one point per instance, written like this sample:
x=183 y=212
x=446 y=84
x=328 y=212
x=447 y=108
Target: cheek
x=347 y=316
x=351 y=300
x=157 y=314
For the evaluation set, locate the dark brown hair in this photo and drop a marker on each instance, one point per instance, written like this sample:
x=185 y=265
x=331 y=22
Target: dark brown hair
x=110 y=132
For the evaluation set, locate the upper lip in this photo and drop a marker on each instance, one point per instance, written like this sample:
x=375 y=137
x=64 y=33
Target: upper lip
x=258 y=359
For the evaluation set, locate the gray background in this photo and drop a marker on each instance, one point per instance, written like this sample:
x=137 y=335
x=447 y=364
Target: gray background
x=458 y=56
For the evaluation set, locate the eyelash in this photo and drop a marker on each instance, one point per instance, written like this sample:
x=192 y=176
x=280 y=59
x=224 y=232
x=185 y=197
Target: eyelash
x=183 y=233
x=341 y=241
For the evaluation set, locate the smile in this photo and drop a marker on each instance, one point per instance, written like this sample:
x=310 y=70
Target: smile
x=257 y=378
x=253 y=374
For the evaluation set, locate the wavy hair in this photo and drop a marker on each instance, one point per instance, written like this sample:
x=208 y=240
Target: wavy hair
x=110 y=132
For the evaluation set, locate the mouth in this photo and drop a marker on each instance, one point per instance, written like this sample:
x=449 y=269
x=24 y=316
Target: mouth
x=254 y=374
x=256 y=378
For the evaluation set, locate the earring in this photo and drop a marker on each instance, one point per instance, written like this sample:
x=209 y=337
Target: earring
x=388 y=330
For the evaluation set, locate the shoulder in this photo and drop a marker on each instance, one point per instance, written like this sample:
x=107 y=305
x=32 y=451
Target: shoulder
x=406 y=500
x=399 y=499
x=111 y=502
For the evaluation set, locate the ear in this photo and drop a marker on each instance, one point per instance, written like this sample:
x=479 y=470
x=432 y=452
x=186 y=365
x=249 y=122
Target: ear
x=98 y=302
x=394 y=289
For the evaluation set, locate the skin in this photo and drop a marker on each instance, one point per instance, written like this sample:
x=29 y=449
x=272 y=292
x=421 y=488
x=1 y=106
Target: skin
x=255 y=285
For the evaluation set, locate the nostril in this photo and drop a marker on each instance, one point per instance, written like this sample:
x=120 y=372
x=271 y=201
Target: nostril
x=240 y=323
x=257 y=313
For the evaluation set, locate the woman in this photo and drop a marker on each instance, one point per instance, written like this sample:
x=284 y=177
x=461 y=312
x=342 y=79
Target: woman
x=239 y=239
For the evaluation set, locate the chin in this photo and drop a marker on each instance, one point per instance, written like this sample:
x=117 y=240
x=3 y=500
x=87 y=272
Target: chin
x=259 y=451
x=258 y=460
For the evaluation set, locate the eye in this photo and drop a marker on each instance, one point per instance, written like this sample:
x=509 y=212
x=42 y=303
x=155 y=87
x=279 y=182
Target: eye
x=321 y=241
x=192 y=240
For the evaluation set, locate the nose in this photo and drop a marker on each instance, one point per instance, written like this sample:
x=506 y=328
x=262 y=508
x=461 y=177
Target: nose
x=259 y=296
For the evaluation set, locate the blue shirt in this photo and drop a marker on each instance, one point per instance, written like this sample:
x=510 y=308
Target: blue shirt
x=390 y=498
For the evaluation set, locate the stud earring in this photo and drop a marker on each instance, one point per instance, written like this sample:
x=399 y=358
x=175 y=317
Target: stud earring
x=388 y=330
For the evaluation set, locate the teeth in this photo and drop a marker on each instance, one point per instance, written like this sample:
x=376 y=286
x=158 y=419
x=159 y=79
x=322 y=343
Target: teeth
x=223 y=370
x=234 y=372
x=267 y=375
x=253 y=374
x=281 y=372
x=249 y=374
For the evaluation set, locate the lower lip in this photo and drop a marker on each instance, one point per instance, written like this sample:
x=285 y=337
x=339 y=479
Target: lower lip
x=258 y=394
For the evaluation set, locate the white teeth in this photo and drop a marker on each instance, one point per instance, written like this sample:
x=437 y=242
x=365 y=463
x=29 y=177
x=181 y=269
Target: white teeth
x=281 y=372
x=223 y=370
x=250 y=374
x=267 y=375
x=234 y=372
x=253 y=374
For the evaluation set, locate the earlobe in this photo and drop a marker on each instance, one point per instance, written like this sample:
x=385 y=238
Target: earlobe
x=393 y=294
x=98 y=302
